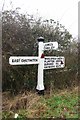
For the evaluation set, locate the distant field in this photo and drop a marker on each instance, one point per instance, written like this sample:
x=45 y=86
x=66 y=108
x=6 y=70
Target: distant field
x=63 y=104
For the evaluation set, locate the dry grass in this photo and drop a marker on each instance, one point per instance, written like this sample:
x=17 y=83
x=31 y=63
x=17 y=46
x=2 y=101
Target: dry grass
x=32 y=105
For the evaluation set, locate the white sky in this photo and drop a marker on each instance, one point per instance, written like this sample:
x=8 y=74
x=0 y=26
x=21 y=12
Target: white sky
x=64 y=11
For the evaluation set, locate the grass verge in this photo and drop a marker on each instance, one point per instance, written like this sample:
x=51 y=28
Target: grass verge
x=59 y=105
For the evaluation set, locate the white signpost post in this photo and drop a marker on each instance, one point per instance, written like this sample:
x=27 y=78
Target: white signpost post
x=50 y=62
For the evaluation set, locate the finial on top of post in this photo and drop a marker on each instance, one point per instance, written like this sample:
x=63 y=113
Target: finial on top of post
x=40 y=39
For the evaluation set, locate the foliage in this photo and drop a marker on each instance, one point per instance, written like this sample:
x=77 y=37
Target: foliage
x=19 y=38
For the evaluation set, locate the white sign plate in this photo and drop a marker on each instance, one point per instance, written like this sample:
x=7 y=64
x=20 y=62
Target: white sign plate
x=21 y=60
x=54 y=62
x=51 y=46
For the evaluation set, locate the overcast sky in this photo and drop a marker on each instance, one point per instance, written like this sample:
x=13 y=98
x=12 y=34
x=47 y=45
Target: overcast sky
x=64 y=11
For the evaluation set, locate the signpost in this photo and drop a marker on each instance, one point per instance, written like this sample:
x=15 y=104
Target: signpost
x=22 y=60
x=54 y=62
x=40 y=84
x=50 y=62
x=51 y=46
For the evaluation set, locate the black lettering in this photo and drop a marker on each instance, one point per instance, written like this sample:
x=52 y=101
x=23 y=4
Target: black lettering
x=15 y=60
x=28 y=60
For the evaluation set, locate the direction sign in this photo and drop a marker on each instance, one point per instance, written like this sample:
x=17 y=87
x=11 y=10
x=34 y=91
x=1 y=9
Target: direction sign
x=51 y=46
x=49 y=62
x=54 y=62
x=22 y=60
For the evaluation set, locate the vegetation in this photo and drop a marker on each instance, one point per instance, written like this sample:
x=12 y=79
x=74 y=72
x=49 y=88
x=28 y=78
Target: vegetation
x=60 y=105
x=19 y=38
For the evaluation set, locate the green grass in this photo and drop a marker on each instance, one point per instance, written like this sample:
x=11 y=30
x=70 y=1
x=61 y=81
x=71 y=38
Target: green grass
x=58 y=105
x=62 y=106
